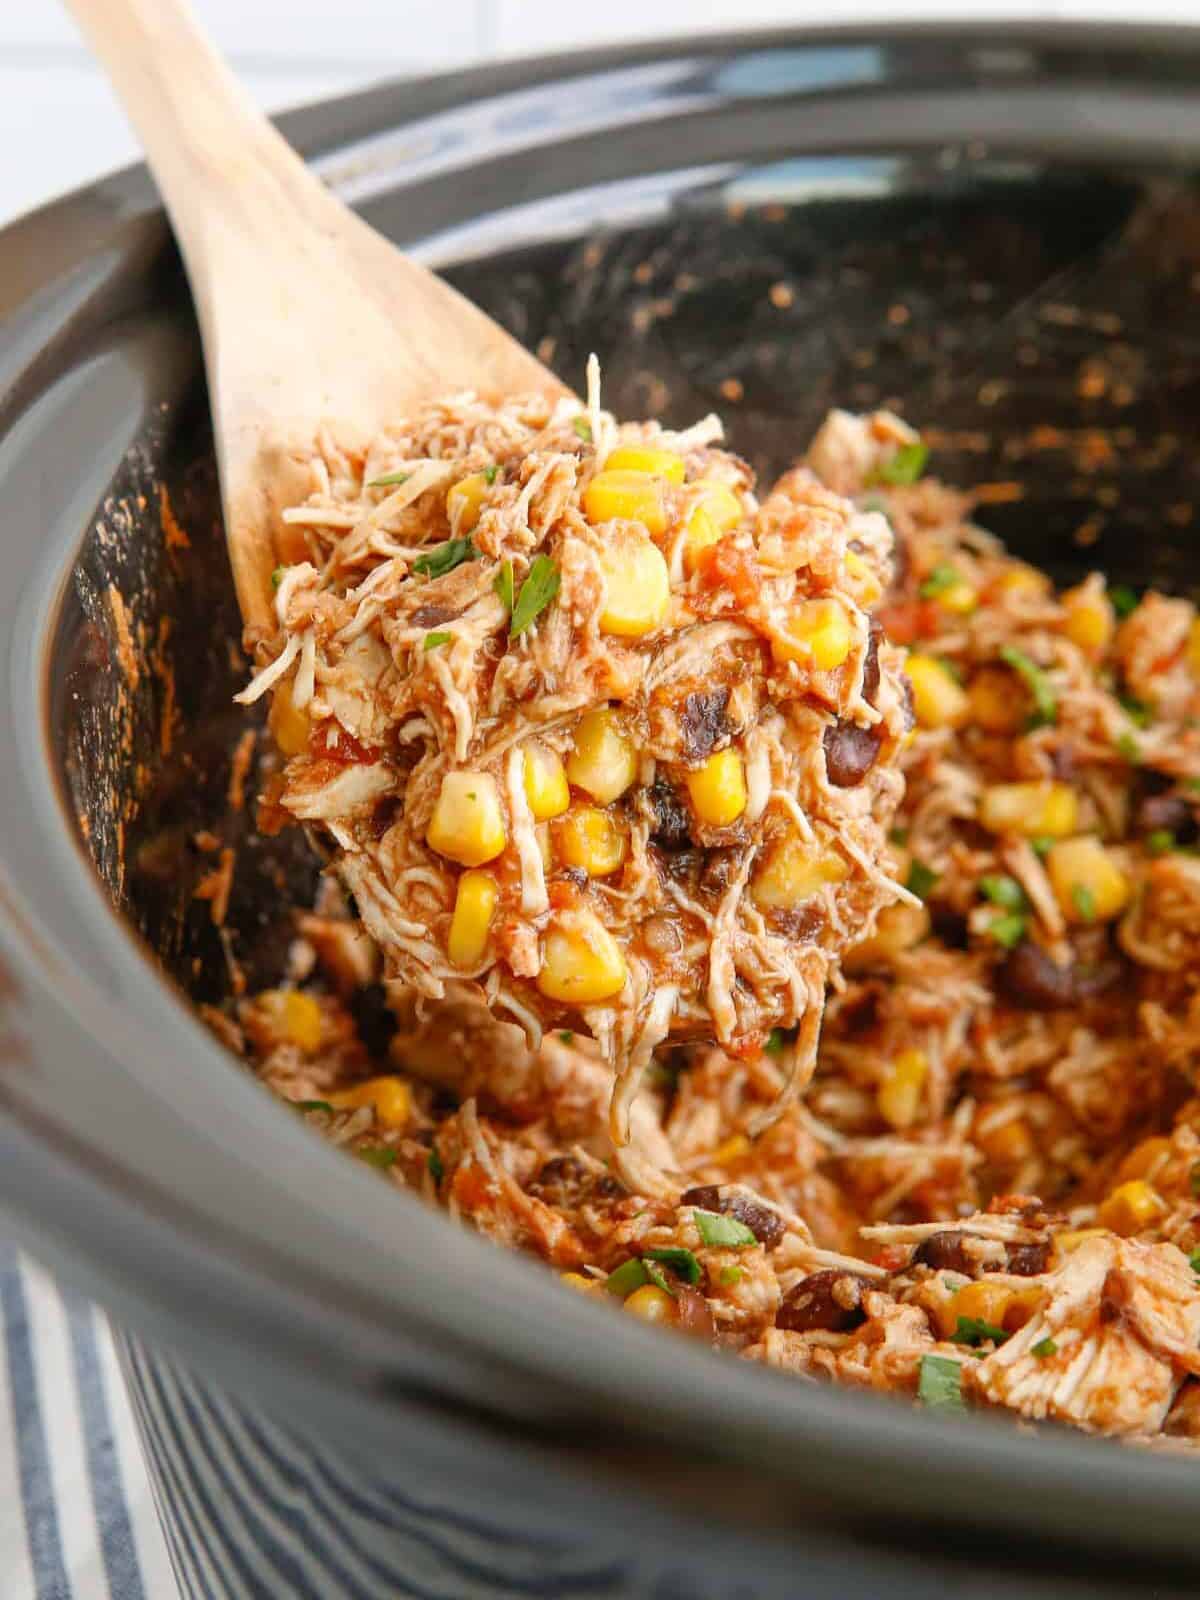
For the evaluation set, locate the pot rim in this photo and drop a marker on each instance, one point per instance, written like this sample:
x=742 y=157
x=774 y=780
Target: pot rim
x=423 y=1318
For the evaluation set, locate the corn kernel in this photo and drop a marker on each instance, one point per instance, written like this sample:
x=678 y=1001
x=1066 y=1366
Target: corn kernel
x=582 y=963
x=960 y=599
x=714 y=514
x=899 y=928
x=1087 y=883
x=981 y=1301
x=464 y=502
x=474 y=907
x=467 y=823
x=1131 y=1208
x=603 y=762
x=1031 y=809
x=868 y=585
x=938 y=701
x=718 y=788
x=1144 y=1158
x=651 y=1304
x=637 y=584
x=579 y=1282
x=1089 y=621
x=289 y=728
x=391 y=1098
x=793 y=872
x=1193 y=647
x=732 y=1149
x=590 y=839
x=1008 y=1144
x=302 y=1020
x=818 y=631
x=1071 y=1238
x=998 y=702
x=629 y=497
x=1021 y=579
x=645 y=458
x=545 y=782
x=899 y=1095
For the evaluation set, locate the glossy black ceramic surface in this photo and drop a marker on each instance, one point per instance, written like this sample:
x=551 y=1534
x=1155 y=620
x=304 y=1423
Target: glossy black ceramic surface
x=999 y=234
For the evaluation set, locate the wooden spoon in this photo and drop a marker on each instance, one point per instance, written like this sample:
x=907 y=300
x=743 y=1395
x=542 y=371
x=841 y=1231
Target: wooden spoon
x=308 y=317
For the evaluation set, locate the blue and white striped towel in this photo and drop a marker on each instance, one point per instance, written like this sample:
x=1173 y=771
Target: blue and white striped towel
x=77 y=1521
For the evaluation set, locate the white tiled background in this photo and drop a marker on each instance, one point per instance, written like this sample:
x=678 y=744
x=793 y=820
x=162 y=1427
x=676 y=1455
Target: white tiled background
x=59 y=125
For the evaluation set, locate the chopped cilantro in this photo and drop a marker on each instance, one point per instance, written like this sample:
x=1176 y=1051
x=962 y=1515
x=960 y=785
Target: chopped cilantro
x=951 y=669
x=1042 y=844
x=537 y=591
x=503 y=585
x=277 y=577
x=629 y=1276
x=1194 y=1178
x=1084 y=901
x=874 y=503
x=1194 y=1262
x=491 y=473
x=777 y=1042
x=681 y=1262
x=390 y=482
x=1045 y=1347
x=583 y=429
x=730 y=1276
x=1003 y=891
x=921 y=879
x=436 y=1169
x=1193 y=785
x=977 y=1330
x=943 y=577
x=658 y=1277
x=312 y=1105
x=1045 y=701
x=567 y=1036
x=906 y=466
x=899 y=836
x=940 y=1385
x=1124 y=599
x=445 y=557
x=1008 y=931
x=432 y=640
x=721 y=1232
x=1138 y=712
x=1161 y=842
x=1128 y=748
x=381 y=1156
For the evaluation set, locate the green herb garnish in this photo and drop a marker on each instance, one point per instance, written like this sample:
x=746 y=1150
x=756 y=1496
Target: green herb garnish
x=313 y=1105
x=1124 y=599
x=1007 y=931
x=721 y=1232
x=445 y=557
x=921 y=879
x=1042 y=844
x=681 y=1262
x=629 y=1276
x=1045 y=701
x=382 y=1156
x=1138 y=712
x=391 y=481
x=1194 y=1262
x=943 y=577
x=906 y=466
x=658 y=1277
x=1194 y=1177
x=537 y=591
x=730 y=1276
x=1128 y=748
x=1161 y=842
x=583 y=429
x=977 y=1330
x=951 y=669
x=567 y=1036
x=1045 y=1347
x=940 y=1385
x=1003 y=891
x=776 y=1043
x=277 y=577
x=899 y=836
x=432 y=640
x=1084 y=901
x=503 y=585
x=874 y=503
x=491 y=474
x=434 y=1164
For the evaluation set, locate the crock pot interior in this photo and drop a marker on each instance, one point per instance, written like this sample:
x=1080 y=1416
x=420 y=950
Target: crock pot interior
x=1034 y=304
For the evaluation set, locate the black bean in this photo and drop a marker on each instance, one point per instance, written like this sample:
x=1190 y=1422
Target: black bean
x=668 y=816
x=850 y=753
x=900 y=560
x=870 y=683
x=766 y=1225
x=802 y=925
x=703 y=723
x=693 y=1314
x=431 y=615
x=719 y=870
x=1027 y=1260
x=565 y=1181
x=944 y=1253
x=374 y=1019
x=1169 y=813
x=1030 y=978
x=830 y=1300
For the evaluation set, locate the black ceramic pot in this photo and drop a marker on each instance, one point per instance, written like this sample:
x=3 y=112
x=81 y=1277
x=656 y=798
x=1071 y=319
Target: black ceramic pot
x=341 y=1392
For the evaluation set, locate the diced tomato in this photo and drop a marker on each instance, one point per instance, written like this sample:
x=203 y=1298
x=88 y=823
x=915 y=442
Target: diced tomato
x=330 y=742
x=733 y=563
x=563 y=894
x=906 y=620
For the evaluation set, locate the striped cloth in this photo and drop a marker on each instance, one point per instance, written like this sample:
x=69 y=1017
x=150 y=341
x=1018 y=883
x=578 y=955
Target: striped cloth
x=77 y=1521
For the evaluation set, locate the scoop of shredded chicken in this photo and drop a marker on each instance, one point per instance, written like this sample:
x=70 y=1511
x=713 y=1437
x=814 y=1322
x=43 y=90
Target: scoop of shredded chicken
x=589 y=725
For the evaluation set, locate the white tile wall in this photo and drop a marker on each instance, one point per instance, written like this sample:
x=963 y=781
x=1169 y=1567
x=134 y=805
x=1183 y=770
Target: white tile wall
x=59 y=124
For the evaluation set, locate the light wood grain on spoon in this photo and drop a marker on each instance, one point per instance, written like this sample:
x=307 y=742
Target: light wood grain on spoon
x=308 y=317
